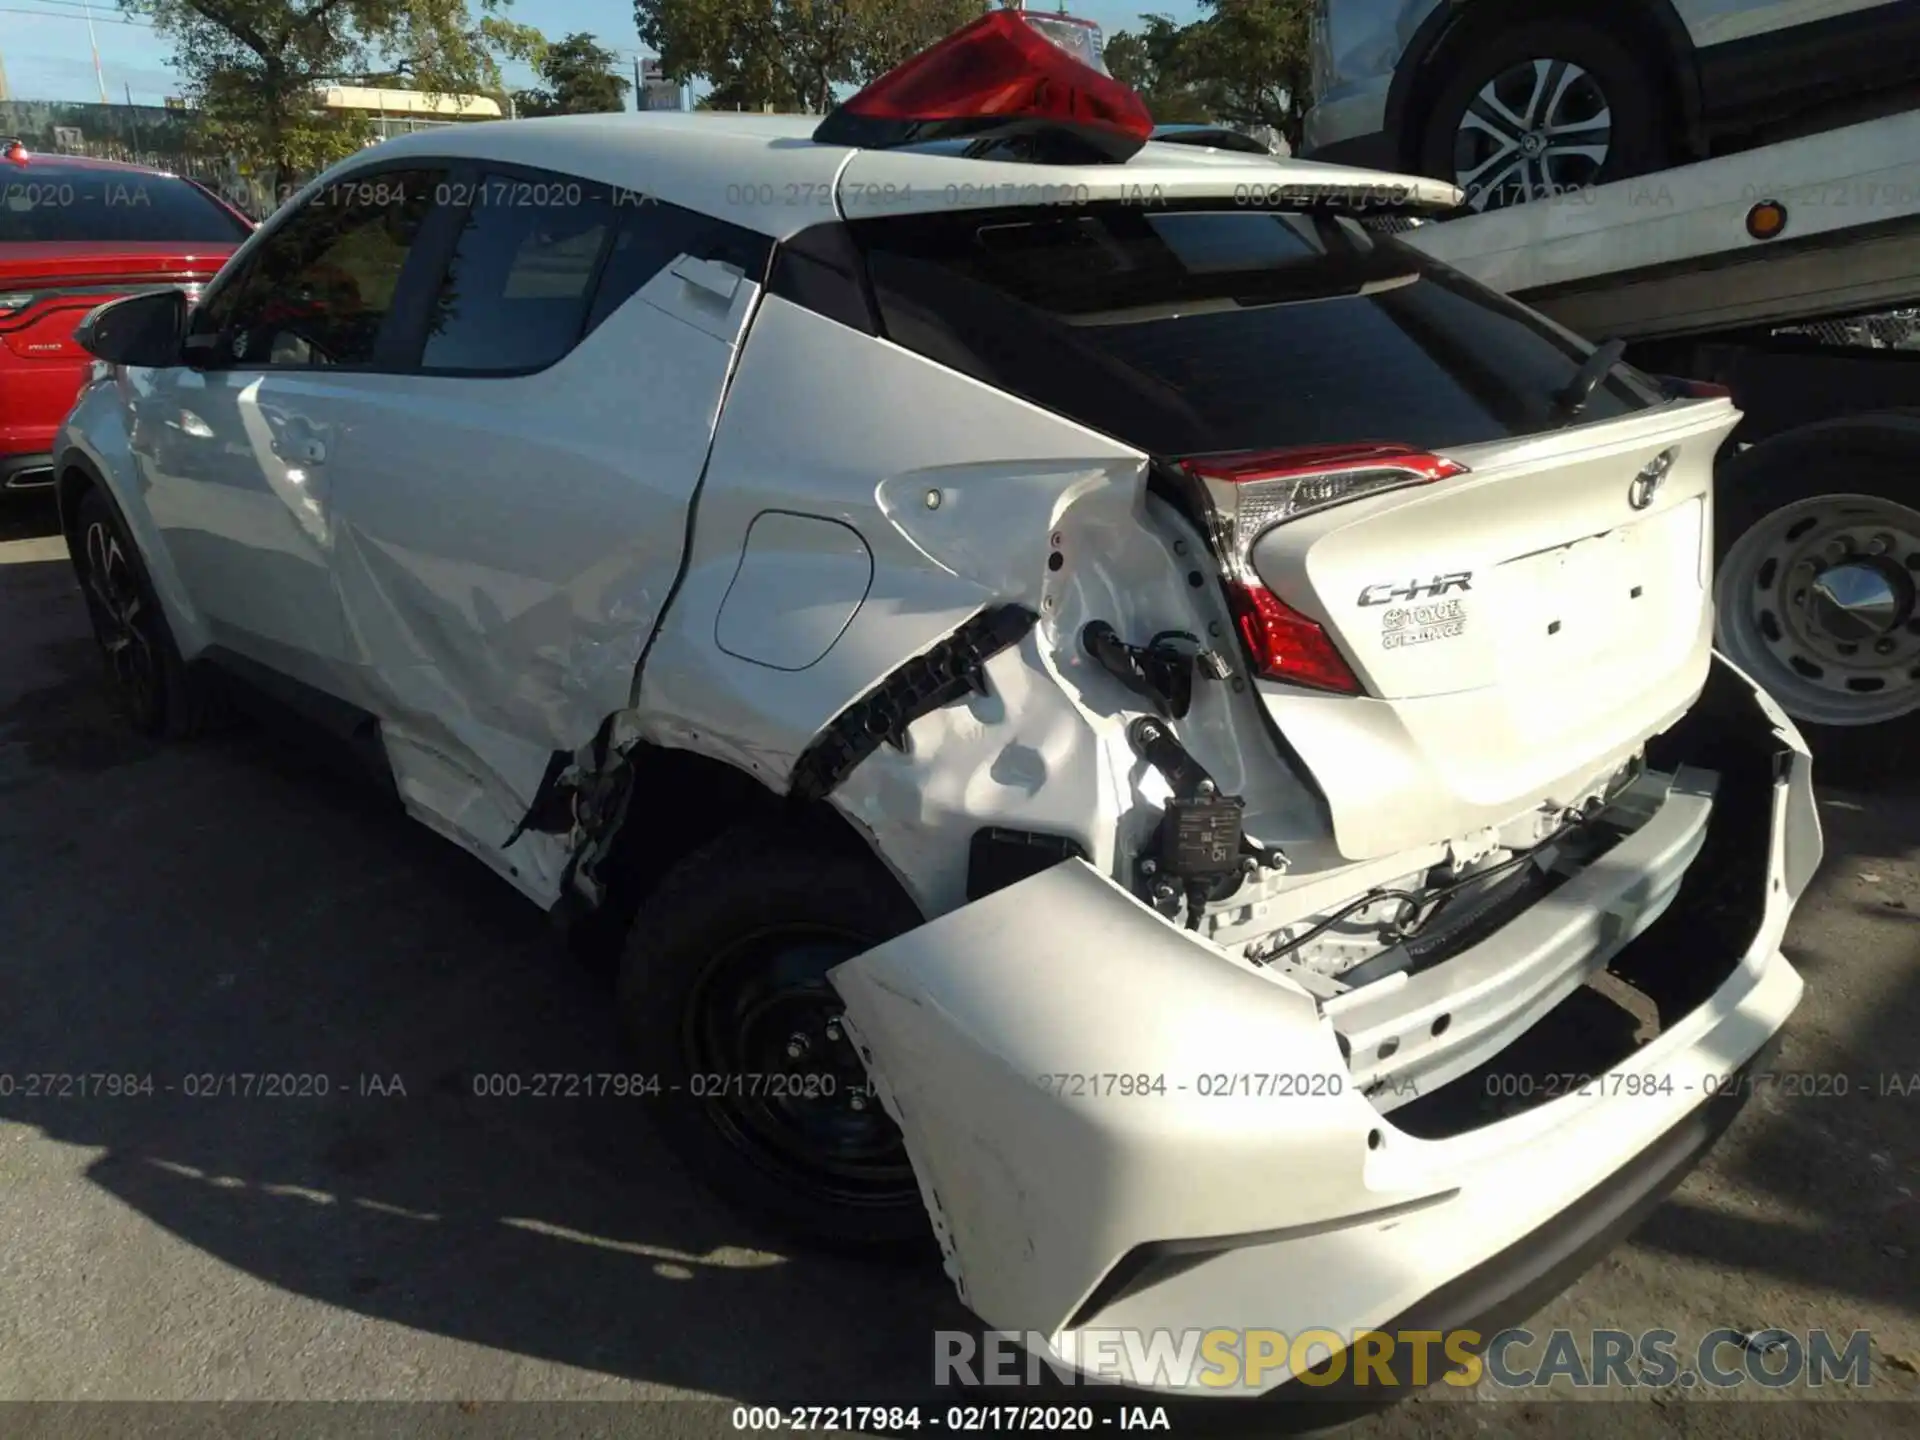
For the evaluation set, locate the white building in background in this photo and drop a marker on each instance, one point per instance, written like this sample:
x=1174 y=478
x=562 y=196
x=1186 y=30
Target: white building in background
x=397 y=112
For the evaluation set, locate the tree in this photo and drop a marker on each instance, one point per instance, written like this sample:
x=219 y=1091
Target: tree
x=1258 y=60
x=580 y=80
x=790 y=54
x=1159 y=63
x=1243 y=62
x=256 y=67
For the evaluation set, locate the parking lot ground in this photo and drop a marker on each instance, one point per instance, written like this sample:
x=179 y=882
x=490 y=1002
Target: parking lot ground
x=236 y=906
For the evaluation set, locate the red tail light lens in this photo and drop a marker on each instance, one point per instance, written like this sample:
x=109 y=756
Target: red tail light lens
x=14 y=151
x=1284 y=644
x=1002 y=75
x=1246 y=494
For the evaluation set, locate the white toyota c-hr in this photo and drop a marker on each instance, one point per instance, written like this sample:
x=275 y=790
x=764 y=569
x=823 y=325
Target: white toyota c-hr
x=1114 y=712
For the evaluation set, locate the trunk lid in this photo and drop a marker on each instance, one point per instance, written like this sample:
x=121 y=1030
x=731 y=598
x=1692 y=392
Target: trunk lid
x=1515 y=629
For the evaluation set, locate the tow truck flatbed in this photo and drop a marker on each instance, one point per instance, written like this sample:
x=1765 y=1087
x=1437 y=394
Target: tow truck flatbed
x=1671 y=253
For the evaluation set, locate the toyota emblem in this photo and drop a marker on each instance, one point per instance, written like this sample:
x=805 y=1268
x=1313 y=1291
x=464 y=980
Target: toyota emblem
x=1646 y=485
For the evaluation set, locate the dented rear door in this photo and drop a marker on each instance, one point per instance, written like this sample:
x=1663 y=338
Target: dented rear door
x=510 y=521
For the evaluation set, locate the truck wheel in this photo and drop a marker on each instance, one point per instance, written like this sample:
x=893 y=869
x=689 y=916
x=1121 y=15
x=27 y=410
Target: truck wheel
x=1541 y=110
x=723 y=994
x=151 y=683
x=1819 y=548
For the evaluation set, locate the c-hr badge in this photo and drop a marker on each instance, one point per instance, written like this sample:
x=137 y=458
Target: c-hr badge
x=1646 y=485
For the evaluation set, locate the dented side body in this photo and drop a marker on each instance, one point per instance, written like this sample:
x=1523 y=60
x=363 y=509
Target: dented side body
x=474 y=579
x=780 y=543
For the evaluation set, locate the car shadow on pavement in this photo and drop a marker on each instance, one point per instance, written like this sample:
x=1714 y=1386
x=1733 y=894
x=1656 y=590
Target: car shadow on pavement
x=1829 y=1150
x=235 y=908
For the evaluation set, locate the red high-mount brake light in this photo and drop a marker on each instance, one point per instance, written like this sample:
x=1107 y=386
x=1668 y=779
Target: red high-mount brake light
x=1007 y=74
x=1248 y=493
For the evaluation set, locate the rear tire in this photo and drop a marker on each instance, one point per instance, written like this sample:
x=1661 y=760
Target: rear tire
x=723 y=996
x=1817 y=589
x=151 y=684
x=1559 y=80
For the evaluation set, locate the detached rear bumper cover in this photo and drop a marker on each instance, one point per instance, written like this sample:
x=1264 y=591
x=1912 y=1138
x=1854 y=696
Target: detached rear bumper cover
x=1057 y=1202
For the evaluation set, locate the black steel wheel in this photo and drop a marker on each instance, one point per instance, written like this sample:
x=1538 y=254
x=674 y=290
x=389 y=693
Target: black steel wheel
x=724 y=995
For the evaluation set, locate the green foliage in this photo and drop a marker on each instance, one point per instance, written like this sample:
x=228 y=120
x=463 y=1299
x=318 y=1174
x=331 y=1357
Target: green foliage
x=581 y=78
x=256 y=68
x=1243 y=62
x=790 y=54
x=1159 y=63
x=1257 y=54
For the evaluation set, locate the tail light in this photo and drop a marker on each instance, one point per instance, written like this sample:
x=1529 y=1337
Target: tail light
x=1248 y=493
x=1008 y=73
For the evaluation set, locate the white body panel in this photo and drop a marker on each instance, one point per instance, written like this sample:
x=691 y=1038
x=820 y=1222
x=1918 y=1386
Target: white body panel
x=246 y=509
x=1584 y=627
x=515 y=633
x=1716 y=22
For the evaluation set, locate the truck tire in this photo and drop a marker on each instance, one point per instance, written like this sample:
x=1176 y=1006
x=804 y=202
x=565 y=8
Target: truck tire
x=1818 y=543
x=723 y=995
x=152 y=686
x=1506 y=123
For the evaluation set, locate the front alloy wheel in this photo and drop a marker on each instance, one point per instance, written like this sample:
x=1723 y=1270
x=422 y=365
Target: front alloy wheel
x=123 y=621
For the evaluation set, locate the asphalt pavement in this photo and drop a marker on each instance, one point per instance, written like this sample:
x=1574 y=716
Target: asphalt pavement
x=242 y=905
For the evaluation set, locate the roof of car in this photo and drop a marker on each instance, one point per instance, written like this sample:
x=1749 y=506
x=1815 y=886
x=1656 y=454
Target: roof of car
x=767 y=173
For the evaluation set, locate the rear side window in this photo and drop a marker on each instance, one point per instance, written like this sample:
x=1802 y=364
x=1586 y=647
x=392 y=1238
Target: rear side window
x=516 y=293
x=540 y=262
x=42 y=202
x=1186 y=333
x=653 y=234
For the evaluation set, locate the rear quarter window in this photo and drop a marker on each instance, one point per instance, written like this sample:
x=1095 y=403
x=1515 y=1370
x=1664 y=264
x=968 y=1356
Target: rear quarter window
x=1189 y=332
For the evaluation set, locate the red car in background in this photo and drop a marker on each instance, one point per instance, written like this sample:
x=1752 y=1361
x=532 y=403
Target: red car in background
x=76 y=232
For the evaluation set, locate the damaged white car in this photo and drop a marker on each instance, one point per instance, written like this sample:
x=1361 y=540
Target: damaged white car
x=1116 y=713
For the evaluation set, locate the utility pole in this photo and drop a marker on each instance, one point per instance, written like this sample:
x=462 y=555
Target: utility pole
x=94 y=41
x=3 y=78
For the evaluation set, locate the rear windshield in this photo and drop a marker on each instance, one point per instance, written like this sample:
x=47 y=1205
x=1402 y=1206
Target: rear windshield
x=1185 y=333
x=57 y=203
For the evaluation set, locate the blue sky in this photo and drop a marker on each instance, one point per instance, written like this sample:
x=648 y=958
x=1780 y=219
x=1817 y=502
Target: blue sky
x=45 y=54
